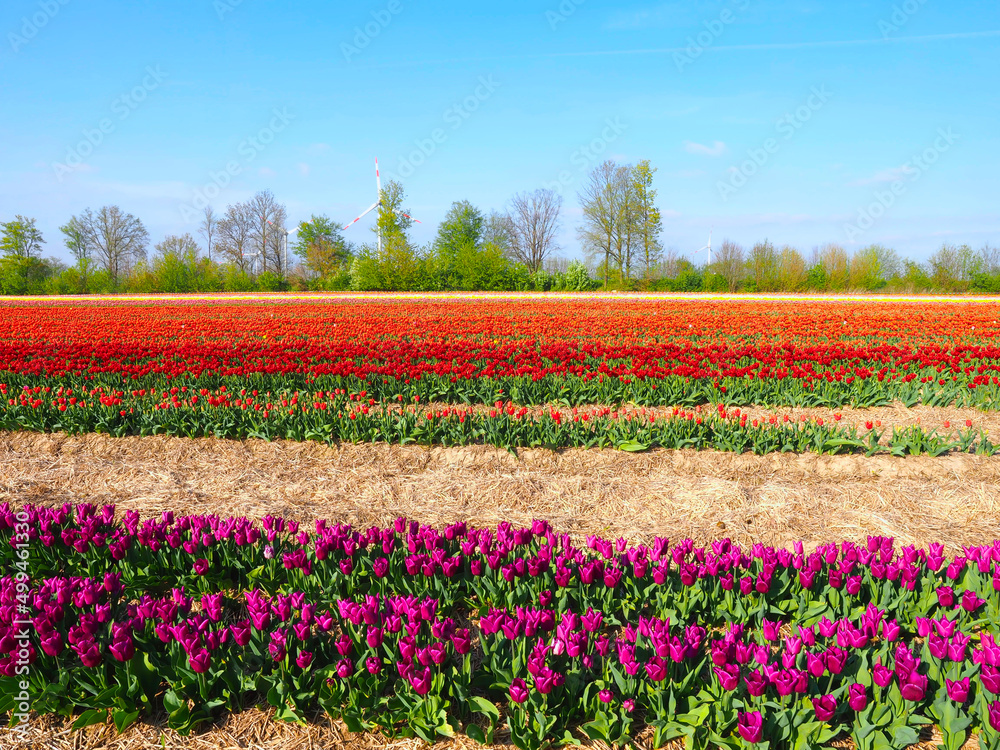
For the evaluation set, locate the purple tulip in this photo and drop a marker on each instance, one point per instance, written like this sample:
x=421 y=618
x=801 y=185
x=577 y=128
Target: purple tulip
x=345 y=668
x=882 y=675
x=200 y=567
x=199 y=661
x=750 y=726
x=990 y=677
x=657 y=669
x=890 y=630
x=756 y=683
x=994 y=715
x=52 y=643
x=518 y=691
x=605 y=696
x=958 y=690
x=914 y=687
x=373 y=664
x=304 y=659
x=857 y=697
x=971 y=601
x=123 y=650
x=946 y=596
x=825 y=707
x=421 y=683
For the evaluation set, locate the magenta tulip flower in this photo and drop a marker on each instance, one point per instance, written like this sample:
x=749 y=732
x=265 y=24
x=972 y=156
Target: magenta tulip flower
x=825 y=707
x=857 y=697
x=750 y=725
x=958 y=690
x=304 y=659
x=518 y=691
x=200 y=661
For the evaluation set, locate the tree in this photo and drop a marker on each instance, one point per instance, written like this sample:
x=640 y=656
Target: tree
x=872 y=267
x=176 y=266
x=20 y=239
x=762 y=267
x=836 y=266
x=235 y=231
x=118 y=239
x=267 y=230
x=498 y=231
x=534 y=221
x=460 y=234
x=650 y=222
x=209 y=228
x=952 y=267
x=791 y=270
x=76 y=243
x=322 y=247
x=730 y=264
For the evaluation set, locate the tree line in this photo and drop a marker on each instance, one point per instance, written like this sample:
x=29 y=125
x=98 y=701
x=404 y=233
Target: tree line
x=251 y=246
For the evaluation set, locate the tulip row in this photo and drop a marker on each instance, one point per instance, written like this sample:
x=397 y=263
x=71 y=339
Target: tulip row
x=506 y=566
x=401 y=665
x=355 y=416
x=652 y=352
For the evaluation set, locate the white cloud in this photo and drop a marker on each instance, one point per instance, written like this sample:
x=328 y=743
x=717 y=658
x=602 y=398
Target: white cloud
x=716 y=149
x=266 y=172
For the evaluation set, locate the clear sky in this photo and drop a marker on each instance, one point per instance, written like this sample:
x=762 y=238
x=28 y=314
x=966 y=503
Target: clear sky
x=803 y=121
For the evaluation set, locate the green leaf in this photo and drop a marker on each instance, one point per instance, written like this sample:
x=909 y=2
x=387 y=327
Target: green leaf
x=486 y=707
x=89 y=718
x=474 y=732
x=123 y=719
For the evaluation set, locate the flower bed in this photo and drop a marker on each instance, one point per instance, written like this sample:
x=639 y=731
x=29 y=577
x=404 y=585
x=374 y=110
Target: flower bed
x=415 y=631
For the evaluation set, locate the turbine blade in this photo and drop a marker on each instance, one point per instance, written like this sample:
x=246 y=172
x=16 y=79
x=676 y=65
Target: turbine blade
x=409 y=217
x=374 y=206
x=378 y=179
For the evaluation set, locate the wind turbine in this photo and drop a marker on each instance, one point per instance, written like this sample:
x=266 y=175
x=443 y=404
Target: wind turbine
x=285 y=246
x=707 y=247
x=377 y=204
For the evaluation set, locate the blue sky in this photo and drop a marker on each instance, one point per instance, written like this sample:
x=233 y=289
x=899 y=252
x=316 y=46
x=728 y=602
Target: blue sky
x=801 y=121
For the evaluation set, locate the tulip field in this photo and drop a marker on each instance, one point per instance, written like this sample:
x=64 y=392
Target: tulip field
x=630 y=374
x=514 y=632
x=412 y=630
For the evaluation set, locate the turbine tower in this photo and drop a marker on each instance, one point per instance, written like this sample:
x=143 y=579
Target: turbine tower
x=377 y=204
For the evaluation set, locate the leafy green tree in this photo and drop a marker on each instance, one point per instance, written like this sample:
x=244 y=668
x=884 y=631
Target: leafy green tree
x=176 y=267
x=20 y=239
x=649 y=221
x=763 y=267
x=459 y=235
x=322 y=247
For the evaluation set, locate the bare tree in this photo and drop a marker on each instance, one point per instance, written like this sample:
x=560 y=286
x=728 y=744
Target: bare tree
x=118 y=239
x=989 y=260
x=235 y=231
x=534 y=221
x=498 y=231
x=730 y=264
x=267 y=218
x=619 y=219
x=209 y=228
